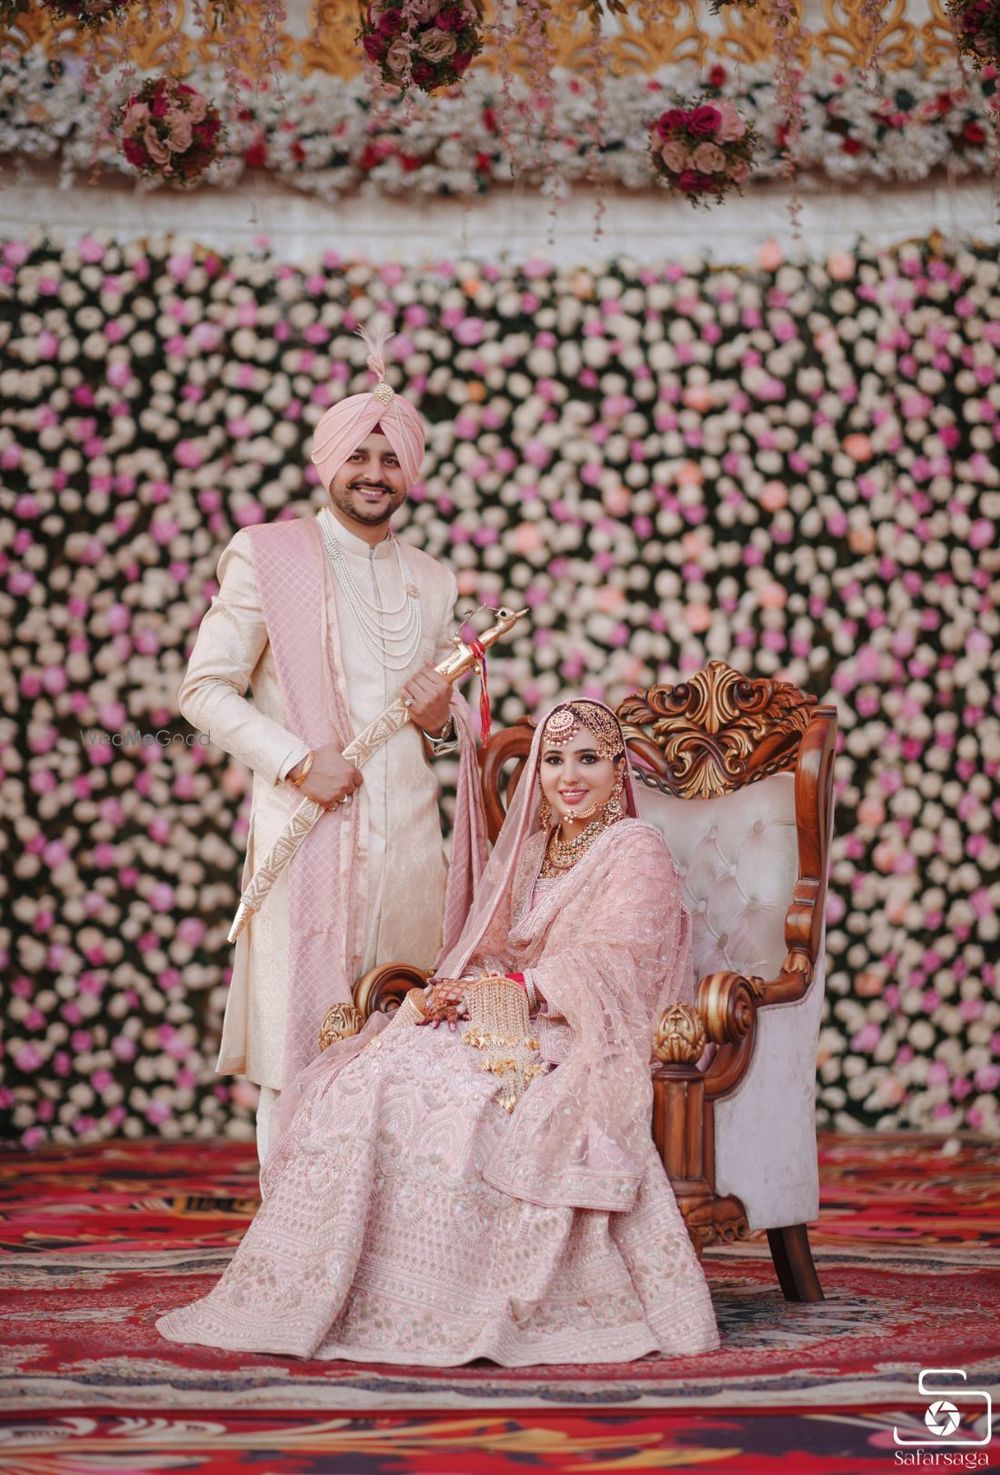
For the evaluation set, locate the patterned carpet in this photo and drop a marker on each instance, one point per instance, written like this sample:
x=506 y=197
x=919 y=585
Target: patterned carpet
x=95 y=1243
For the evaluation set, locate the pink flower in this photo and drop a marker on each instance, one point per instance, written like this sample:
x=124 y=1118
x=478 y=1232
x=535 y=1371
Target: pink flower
x=157 y=151
x=674 y=155
x=709 y=158
x=733 y=126
x=180 y=127
x=196 y=105
x=188 y=453
x=704 y=120
x=397 y=57
x=470 y=331
x=136 y=117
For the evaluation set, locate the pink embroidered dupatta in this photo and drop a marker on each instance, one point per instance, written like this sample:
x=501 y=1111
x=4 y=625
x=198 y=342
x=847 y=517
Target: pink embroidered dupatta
x=292 y=574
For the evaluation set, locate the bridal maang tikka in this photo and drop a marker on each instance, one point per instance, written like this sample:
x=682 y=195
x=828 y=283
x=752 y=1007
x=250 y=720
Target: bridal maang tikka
x=565 y=722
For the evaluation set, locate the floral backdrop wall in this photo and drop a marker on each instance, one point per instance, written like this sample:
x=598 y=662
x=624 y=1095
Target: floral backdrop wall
x=792 y=467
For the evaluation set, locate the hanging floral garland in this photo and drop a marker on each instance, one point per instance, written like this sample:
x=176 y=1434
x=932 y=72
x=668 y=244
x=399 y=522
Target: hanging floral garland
x=541 y=134
x=430 y=45
x=88 y=13
x=871 y=17
x=317 y=139
x=976 y=27
x=789 y=73
x=169 y=131
x=703 y=150
x=221 y=25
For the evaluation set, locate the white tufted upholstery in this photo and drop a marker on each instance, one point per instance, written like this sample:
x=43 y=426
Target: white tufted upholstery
x=738 y=856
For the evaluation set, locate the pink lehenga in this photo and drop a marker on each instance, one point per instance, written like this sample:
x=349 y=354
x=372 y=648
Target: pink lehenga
x=408 y=1218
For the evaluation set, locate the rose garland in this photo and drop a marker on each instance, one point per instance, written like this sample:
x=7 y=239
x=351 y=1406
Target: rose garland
x=429 y=43
x=169 y=131
x=319 y=139
x=704 y=149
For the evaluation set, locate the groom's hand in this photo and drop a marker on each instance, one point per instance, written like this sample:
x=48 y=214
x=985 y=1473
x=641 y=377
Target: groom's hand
x=331 y=779
x=428 y=697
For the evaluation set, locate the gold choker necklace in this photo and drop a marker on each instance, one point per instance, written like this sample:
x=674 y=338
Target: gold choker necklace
x=562 y=855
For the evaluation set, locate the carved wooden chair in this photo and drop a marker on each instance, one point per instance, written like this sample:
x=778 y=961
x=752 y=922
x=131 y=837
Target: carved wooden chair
x=738 y=775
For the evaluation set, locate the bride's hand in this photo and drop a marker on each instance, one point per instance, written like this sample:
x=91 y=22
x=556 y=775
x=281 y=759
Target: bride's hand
x=442 y=1002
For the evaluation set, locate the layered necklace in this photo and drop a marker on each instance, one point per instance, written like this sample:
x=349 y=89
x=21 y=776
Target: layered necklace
x=562 y=855
x=391 y=636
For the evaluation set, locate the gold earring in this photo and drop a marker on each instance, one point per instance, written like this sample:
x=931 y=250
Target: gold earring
x=545 y=814
x=613 y=808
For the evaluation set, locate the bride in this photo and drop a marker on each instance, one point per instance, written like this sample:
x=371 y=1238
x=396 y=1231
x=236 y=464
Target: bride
x=491 y=1188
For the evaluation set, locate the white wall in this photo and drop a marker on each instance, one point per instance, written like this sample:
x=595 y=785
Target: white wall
x=507 y=224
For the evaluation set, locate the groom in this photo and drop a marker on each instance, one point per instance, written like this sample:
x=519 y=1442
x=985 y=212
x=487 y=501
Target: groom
x=329 y=620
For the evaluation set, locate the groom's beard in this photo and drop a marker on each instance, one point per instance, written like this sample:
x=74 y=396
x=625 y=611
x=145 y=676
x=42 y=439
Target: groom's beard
x=372 y=514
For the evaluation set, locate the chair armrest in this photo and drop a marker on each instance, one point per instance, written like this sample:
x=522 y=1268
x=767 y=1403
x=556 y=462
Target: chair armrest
x=727 y=1005
x=383 y=989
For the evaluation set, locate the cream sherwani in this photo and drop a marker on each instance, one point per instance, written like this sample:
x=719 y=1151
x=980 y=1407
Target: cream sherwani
x=399 y=867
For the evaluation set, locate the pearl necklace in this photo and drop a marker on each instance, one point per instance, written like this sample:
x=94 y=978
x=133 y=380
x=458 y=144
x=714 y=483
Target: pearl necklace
x=391 y=636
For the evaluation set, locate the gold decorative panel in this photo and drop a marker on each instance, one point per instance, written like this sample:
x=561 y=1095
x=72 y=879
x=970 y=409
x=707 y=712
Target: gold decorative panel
x=650 y=35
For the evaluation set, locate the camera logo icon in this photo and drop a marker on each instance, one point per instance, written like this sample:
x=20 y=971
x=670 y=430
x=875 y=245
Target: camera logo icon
x=953 y=1414
x=942 y=1418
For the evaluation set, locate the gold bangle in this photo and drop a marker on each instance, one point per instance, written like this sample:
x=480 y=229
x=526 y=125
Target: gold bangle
x=308 y=763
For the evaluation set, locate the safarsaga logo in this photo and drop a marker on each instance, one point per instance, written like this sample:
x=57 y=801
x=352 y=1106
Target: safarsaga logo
x=953 y=1412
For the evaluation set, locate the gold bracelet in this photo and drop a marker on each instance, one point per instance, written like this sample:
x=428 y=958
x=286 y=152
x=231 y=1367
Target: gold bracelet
x=308 y=763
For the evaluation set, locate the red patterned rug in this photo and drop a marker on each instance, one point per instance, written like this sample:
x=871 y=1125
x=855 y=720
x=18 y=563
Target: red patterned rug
x=97 y=1242
x=740 y=1443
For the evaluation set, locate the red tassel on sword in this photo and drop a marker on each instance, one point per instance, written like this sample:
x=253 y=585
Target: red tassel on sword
x=485 y=715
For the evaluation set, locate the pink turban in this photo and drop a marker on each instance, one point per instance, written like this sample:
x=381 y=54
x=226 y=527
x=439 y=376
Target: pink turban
x=345 y=425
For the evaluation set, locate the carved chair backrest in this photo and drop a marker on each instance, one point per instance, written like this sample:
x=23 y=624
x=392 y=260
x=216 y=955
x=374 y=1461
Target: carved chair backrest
x=737 y=775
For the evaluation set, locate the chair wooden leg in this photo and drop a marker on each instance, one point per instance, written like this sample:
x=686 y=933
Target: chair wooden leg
x=794 y=1263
